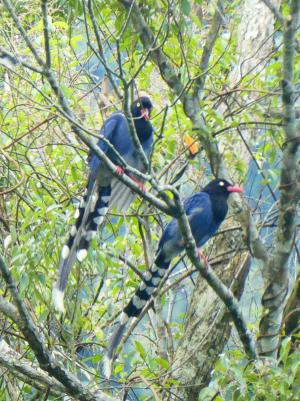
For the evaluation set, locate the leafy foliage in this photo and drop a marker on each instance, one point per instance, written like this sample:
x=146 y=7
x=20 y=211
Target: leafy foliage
x=43 y=173
x=235 y=379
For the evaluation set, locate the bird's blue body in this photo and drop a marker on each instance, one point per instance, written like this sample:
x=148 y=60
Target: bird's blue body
x=104 y=190
x=202 y=221
x=205 y=211
x=115 y=130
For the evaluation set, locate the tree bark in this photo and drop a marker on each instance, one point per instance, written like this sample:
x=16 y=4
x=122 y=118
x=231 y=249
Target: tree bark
x=207 y=329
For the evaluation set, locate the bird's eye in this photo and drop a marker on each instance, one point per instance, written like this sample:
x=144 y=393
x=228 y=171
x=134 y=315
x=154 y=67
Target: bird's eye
x=138 y=104
x=221 y=183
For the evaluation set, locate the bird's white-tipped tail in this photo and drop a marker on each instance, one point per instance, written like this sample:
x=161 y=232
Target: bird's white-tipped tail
x=58 y=299
x=81 y=254
x=115 y=341
x=107 y=366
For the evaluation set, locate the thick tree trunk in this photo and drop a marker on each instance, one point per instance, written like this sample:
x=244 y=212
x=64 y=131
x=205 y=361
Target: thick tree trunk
x=207 y=329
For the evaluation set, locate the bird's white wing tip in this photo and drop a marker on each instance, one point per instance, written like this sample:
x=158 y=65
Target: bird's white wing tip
x=107 y=366
x=58 y=299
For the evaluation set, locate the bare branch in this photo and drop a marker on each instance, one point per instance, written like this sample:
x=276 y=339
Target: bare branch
x=46 y=33
x=208 y=47
x=10 y=61
x=9 y=310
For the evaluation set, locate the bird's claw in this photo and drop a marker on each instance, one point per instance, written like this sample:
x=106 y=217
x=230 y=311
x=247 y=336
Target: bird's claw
x=139 y=183
x=203 y=258
x=119 y=170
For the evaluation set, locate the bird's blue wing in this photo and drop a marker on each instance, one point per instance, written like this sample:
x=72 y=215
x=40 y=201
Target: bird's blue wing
x=147 y=146
x=199 y=212
x=107 y=131
x=200 y=215
x=115 y=132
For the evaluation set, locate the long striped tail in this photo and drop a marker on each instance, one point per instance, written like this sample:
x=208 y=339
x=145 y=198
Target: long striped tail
x=135 y=306
x=90 y=215
x=94 y=220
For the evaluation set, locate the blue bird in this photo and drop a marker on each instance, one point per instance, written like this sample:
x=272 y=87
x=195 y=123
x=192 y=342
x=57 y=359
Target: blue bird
x=205 y=210
x=103 y=190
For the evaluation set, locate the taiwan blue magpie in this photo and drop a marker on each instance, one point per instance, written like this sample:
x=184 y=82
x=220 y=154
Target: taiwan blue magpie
x=103 y=190
x=205 y=210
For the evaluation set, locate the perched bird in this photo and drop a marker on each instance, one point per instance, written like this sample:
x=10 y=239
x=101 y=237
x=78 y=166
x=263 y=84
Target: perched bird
x=103 y=190
x=205 y=210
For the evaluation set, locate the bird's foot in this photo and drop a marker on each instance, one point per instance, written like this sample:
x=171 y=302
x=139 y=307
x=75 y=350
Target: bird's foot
x=203 y=258
x=139 y=183
x=119 y=170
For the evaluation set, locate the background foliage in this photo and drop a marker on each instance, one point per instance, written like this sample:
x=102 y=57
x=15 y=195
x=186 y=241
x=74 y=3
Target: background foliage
x=43 y=175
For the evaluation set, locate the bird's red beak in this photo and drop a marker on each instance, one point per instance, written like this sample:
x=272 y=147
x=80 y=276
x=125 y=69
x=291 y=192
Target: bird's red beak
x=145 y=114
x=235 y=189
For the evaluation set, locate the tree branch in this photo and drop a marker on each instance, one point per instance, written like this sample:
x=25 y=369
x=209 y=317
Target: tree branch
x=208 y=47
x=27 y=372
x=46 y=32
x=37 y=343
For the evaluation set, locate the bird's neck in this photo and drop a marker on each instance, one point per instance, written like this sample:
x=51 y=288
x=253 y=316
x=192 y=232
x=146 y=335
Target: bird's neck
x=219 y=207
x=143 y=128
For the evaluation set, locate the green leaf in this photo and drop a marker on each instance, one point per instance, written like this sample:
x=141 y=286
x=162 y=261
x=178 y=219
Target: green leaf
x=75 y=40
x=185 y=7
x=61 y=25
x=140 y=349
x=119 y=368
x=24 y=282
x=285 y=349
x=162 y=362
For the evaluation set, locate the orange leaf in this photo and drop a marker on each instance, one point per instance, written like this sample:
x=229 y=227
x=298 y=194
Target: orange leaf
x=191 y=144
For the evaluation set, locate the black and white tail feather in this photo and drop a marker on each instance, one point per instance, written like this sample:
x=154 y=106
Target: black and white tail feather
x=89 y=216
x=135 y=306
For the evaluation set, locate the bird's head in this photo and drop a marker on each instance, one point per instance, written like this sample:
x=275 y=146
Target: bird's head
x=221 y=187
x=141 y=108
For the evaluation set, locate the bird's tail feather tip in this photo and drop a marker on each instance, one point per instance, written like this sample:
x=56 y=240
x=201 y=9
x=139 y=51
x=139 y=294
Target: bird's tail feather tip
x=107 y=366
x=115 y=341
x=58 y=299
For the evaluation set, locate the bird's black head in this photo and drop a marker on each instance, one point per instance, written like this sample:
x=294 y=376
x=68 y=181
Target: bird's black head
x=141 y=108
x=218 y=191
x=221 y=187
